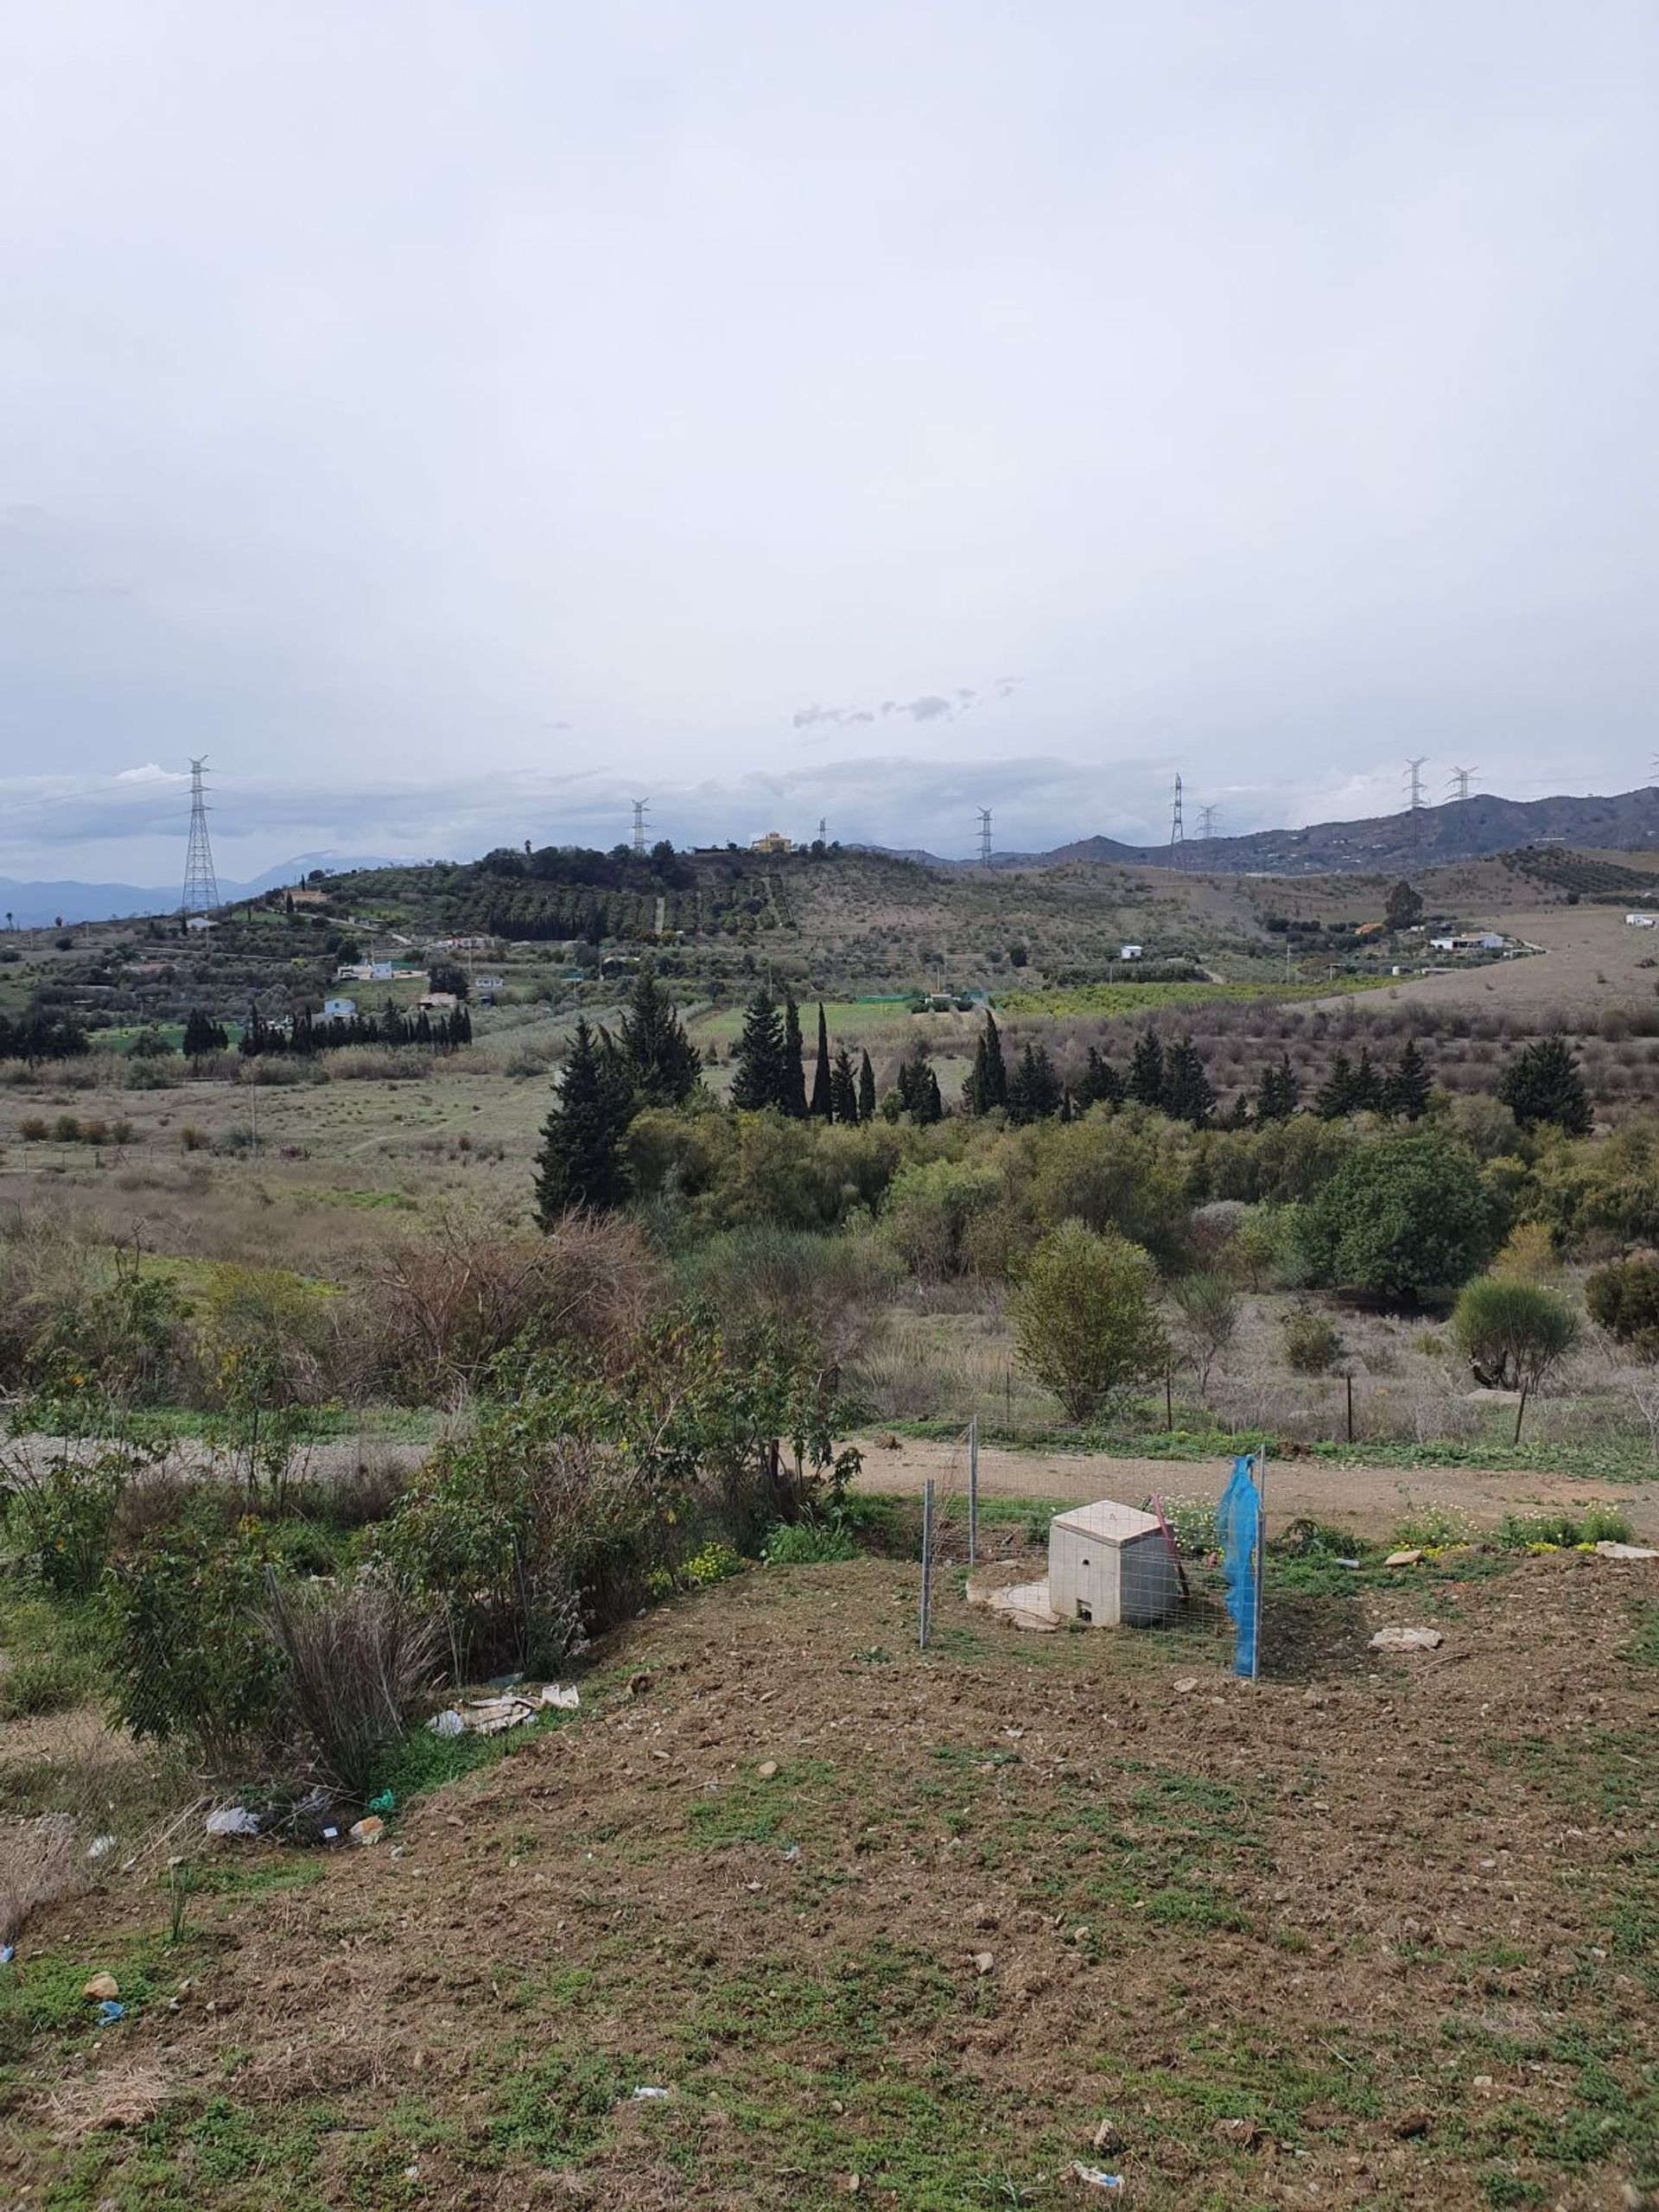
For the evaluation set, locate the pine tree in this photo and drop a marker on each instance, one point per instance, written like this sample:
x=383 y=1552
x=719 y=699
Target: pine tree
x=1367 y=1093
x=1335 y=1096
x=822 y=1104
x=1277 y=1092
x=662 y=1063
x=1408 y=1086
x=791 y=1093
x=1101 y=1084
x=866 y=1088
x=1542 y=1083
x=1189 y=1095
x=578 y=1164
x=1146 y=1069
x=918 y=1089
x=759 y=1081
x=844 y=1088
x=1404 y=907
x=1035 y=1092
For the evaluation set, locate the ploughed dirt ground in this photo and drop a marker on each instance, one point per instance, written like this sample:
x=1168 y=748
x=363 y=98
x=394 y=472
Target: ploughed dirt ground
x=1367 y=1500
x=909 y=1929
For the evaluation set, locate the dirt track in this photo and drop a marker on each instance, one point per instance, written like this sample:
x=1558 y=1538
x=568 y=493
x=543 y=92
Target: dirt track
x=1368 y=1500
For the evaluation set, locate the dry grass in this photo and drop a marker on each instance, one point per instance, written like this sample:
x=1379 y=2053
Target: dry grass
x=42 y=1860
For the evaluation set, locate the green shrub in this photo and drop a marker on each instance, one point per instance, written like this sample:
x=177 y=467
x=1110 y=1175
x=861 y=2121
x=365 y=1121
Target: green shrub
x=1598 y=1524
x=1204 y=1320
x=1311 y=1344
x=715 y=1562
x=188 y=1653
x=46 y=1681
x=1623 y=1299
x=1433 y=1528
x=63 y=1518
x=1402 y=1216
x=809 y=1543
x=1084 y=1318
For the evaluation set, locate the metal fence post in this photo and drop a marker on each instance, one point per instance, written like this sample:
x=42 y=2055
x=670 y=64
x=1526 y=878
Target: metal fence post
x=927 y=1561
x=973 y=1490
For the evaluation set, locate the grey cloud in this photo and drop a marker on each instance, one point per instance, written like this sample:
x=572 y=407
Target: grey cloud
x=830 y=717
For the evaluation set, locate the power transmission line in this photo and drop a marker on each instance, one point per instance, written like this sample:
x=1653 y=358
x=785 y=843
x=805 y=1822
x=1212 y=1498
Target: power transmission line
x=200 y=882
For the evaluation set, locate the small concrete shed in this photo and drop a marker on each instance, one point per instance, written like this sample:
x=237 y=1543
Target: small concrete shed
x=1110 y=1565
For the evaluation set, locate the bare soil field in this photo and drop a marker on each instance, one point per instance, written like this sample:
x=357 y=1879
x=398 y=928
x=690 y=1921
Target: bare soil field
x=1590 y=960
x=1367 y=1500
x=919 y=1930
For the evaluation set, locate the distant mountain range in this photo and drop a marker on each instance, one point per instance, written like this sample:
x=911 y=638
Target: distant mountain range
x=42 y=905
x=1429 y=836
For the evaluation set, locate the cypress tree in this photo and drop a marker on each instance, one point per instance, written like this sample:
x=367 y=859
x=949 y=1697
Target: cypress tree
x=822 y=1104
x=1146 y=1069
x=844 y=1088
x=578 y=1164
x=759 y=1080
x=662 y=1063
x=866 y=1088
x=1189 y=1095
x=1408 y=1086
x=792 y=1089
x=1367 y=1084
x=1278 y=1093
x=993 y=1075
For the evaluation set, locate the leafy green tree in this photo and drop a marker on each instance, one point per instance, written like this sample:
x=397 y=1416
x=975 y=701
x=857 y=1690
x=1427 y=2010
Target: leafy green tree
x=1542 y=1083
x=448 y=976
x=1035 y=1092
x=1146 y=1069
x=1085 y=1319
x=579 y=1163
x=1404 y=907
x=759 y=1081
x=662 y=1063
x=791 y=1095
x=1278 y=1093
x=1514 y=1334
x=1406 y=1090
x=822 y=1102
x=866 y=1088
x=1188 y=1093
x=844 y=1088
x=1407 y=1215
x=203 y=1035
x=1623 y=1299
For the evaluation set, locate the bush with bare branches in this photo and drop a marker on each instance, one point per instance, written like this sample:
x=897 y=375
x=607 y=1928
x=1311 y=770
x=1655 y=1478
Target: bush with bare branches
x=358 y=1660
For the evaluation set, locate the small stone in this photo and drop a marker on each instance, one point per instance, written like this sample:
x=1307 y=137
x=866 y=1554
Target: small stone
x=1407 y=1639
x=1481 y=2081
x=1411 y=1557
x=369 y=1829
x=983 y=1962
x=102 y=1987
x=855 y=2183
x=767 y=1769
x=1186 y=1685
x=1313 y=1697
x=1109 y=2136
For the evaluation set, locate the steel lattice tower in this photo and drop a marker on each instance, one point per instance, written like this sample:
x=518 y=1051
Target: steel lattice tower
x=201 y=883
x=985 y=836
x=1207 y=822
x=1177 y=831
x=640 y=807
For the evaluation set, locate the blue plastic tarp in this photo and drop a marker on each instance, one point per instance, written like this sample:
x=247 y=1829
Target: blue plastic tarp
x=1238 y=1528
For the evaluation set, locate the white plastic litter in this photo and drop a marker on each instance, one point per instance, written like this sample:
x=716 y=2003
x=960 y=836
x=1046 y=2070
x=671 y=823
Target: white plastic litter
x=566 y=1699
x=232 y=1820
x=646 y=2091
x=1097 y=2177
x=99 y=1846
x=448 y=1723
x=1407 y=1639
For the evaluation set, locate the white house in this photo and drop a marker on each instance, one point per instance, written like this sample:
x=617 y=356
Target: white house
x=1131 y=952
x=339 y=1009
x=1642 y=921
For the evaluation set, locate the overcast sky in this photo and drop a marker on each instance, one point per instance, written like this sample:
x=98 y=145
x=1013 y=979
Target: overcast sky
x=453 y=419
